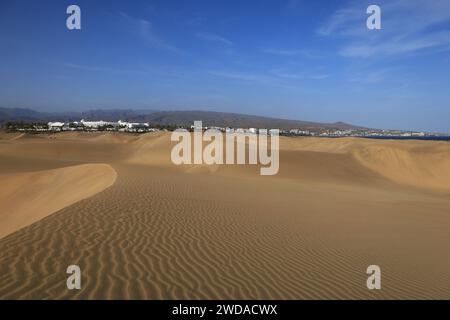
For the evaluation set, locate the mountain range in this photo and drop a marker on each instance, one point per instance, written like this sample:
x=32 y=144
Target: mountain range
x=179 y=118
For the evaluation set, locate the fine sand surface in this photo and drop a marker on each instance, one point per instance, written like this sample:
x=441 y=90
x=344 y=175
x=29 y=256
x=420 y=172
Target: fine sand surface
x=160 y=231
x=28 y=197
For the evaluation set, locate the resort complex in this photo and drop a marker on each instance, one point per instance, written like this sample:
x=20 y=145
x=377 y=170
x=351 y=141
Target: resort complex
x=143 y=127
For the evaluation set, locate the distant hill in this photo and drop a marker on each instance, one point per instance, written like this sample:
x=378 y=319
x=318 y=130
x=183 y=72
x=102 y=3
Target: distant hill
x=181 y=118
x=29 y=115
x=114 y=114
x=223 y=119
x=17 y=114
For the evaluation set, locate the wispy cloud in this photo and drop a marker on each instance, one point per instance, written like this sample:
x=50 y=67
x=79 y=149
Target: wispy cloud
x=320 y=76
x=99 y=69
x=290 y=52
x=370 y=76
x=407 y=27
x=341 y=19
x=260 y=79
x=292 y=4
x=214 y=38
x=145 y=29
x=288 y=75
x=243 y=76
x=84 y=67
x=398 y=45
x=272 y=78
x=310 y=75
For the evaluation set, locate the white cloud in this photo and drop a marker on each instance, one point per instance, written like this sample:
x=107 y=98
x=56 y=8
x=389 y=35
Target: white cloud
x=242 y=76
x=214 y=38
x=398 y=45
x=90 y=68
x=289 y=52
x=273 y=78
x=407 y=27
x=309 y=75
x=319 y=76
x=145 y=29
x=340 y=19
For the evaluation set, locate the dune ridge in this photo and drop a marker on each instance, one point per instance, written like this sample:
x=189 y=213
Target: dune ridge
x=419 y=167
x=31 y=196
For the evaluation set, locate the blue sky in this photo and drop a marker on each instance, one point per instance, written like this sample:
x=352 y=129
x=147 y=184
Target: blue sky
x=297 y=59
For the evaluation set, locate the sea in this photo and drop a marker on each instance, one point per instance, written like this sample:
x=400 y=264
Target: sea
x=431 y=138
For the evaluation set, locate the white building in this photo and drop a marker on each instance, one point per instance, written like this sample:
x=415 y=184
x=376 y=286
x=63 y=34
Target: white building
x=55 y=126
x=96 y=124
x=134 y=126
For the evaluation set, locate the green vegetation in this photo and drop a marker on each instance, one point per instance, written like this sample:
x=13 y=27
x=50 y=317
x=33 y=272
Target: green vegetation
x=14 y=126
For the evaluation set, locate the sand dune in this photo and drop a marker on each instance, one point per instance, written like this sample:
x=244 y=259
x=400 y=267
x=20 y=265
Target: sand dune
x=423 y=166
x=11 y=135
x=225 y=232
x=29 y=197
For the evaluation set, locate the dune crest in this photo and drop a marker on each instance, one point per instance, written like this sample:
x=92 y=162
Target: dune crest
x=418 y=167
x=30 y=196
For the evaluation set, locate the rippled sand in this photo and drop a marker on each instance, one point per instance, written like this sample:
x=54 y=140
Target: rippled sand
x=196 y=232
